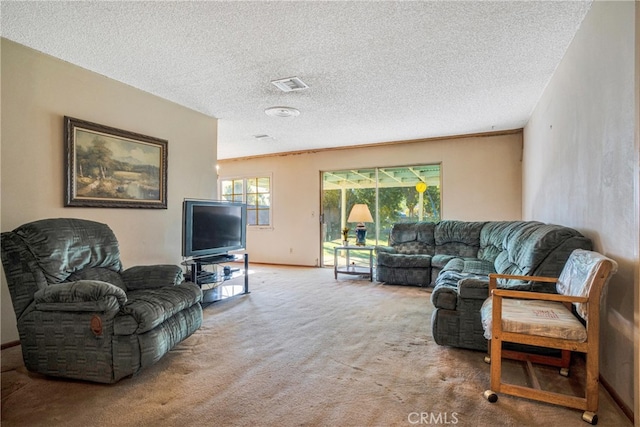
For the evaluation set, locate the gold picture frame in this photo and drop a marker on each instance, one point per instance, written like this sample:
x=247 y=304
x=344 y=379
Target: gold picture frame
x=112 y=168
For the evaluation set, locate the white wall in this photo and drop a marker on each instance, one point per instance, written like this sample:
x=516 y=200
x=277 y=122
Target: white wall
x=580 y=167
x=481 y=180
x=37 y=92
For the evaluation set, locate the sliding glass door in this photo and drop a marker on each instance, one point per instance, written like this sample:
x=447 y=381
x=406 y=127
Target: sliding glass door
x=410 y=193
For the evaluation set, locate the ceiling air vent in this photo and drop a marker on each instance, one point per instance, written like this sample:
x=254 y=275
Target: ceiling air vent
x=282 y=112
x=290 y=84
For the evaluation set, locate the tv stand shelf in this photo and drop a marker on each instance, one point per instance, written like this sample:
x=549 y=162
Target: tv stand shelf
x=222 y=283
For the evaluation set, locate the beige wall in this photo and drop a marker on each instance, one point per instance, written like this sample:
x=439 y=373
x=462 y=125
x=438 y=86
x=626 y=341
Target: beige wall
x=481 y=180
x=37 y=91
x=580 y=167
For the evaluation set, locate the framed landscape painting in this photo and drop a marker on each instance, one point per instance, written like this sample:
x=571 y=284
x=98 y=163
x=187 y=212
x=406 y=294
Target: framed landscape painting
x=112 y=168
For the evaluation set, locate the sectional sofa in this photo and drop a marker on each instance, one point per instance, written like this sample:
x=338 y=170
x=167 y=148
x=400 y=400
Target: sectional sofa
x=456 y=257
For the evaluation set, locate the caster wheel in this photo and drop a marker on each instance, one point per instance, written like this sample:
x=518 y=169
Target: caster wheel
x=487 y=359
x=590 y=417
x=564 y=372
x=491 y=396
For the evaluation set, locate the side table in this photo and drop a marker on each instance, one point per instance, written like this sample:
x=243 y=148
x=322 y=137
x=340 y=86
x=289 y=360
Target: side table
x=352 y=268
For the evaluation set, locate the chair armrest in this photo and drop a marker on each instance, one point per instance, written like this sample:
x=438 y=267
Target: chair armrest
x=81 y=296
x=152 y=276
x=493 y=279
x=505 y=293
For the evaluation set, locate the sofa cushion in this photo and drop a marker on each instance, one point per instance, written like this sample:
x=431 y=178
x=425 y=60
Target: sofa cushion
x=454 y=277
x=529 y=245
x=404 y=260
x=440 y=260
x=470 y=266
x=413 y=238
x=412 y=231
x=493 y=236
x=147 y=308
x=413 y=248
x=402 y=233
x=459 y=238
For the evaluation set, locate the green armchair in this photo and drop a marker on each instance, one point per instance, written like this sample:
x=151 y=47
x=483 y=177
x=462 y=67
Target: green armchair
x=79 y=314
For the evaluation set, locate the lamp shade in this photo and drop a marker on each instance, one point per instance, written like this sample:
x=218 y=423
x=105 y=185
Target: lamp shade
x=360 y=213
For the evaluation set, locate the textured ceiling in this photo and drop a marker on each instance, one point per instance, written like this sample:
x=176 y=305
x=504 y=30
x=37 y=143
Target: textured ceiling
x=377 y=71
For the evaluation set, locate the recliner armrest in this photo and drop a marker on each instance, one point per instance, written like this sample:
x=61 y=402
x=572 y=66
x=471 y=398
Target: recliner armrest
x=152 y=276
x=473 y=288
x=81 y=296
x=385 y=249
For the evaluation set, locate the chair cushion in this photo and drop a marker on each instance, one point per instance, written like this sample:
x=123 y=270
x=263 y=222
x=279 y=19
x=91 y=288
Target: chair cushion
x=62 y=246
x=148 y=308
x=534 y=317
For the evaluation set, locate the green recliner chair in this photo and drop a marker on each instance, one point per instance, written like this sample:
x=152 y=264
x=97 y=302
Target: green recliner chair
x=79 y=314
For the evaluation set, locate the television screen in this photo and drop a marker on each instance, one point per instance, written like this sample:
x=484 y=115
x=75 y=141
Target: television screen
x=213 y=227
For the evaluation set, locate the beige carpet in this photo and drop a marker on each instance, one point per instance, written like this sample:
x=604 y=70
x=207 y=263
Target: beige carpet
x=301 y=350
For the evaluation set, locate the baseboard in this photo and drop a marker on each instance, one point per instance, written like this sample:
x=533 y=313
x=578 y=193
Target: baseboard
x=9 y=344
x=616 y=398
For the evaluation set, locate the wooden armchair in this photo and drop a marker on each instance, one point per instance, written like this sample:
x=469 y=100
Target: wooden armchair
x=567 y=321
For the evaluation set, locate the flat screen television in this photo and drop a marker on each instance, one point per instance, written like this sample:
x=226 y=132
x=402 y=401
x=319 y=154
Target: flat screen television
x=212 y=228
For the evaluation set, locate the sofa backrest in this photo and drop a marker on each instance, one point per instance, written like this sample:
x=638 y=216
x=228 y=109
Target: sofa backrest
x=538 y=249
x=413 y=237
x=48 y=251
x=460 y=238
x=493 y=236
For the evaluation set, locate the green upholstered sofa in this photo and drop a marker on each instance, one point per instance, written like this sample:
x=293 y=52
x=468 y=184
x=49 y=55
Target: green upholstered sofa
x=456 y=257
x=79 y=314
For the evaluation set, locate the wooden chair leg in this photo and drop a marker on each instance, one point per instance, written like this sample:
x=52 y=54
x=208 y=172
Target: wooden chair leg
x=496 y=364
x=592 y=381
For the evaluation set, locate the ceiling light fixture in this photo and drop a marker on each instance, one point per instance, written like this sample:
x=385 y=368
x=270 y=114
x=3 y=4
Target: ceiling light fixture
x=282 y=112
x=290 y=84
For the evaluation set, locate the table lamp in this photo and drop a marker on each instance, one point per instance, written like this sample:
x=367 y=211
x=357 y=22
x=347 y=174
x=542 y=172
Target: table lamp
x=360 y=214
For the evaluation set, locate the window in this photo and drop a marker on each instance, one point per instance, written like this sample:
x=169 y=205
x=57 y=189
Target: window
x=255 y=192
x=393 y=194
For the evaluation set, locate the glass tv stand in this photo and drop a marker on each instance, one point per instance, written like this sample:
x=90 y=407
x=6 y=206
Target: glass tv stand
x=219 y=277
